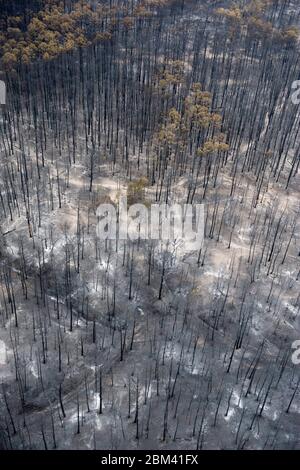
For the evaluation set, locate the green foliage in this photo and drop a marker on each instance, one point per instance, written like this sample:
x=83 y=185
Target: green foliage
x=172 y=75
x=53 y=30
x=196 y=115
x=136 y=191
x=253 y=18
x=217 y=144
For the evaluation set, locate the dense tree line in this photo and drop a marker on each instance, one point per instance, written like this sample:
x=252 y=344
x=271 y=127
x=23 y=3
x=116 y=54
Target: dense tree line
x=178 y=102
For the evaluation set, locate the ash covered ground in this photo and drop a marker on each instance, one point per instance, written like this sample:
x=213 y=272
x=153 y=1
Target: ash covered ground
x=139 y=344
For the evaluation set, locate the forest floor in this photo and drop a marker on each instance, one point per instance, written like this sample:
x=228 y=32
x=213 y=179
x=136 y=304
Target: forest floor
x=205 y=365
x=186 y=284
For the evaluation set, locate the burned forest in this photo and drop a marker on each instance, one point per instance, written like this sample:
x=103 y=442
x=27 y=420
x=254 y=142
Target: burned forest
x=143 y=341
